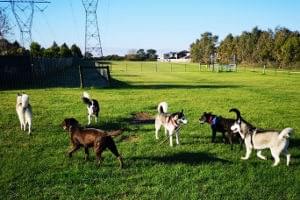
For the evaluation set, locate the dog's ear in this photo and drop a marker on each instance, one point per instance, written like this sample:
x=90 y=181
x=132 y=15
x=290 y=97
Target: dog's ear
x=239 y=121
x=181 y=110
x=176 y=117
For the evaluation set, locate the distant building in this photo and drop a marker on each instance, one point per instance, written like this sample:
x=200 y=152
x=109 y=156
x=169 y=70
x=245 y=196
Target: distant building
x=181 y=56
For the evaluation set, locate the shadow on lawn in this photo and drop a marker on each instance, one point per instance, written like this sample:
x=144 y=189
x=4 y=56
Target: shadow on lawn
x=191 y=158
x=116 y=84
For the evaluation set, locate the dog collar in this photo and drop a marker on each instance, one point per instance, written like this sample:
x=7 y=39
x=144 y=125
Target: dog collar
x=212 y=120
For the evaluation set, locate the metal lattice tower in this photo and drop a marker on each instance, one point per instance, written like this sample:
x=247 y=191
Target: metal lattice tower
x=92 y=36
x=23 y=11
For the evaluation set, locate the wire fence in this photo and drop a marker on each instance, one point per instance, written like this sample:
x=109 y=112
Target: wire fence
x=123 y=66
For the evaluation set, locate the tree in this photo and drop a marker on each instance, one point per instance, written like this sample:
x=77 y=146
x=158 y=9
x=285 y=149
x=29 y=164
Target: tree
x=64 y=51
x=4 y=25
x=203 y=48
x=291 y=50
x=141 y=55
x=281 y=35
x=35 y=49
x=76 y=52
x=55 y=49
x=151 y=54
x=264 y=47
x=227 y=49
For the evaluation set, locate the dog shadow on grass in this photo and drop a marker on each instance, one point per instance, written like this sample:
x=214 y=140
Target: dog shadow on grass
x=190 y=158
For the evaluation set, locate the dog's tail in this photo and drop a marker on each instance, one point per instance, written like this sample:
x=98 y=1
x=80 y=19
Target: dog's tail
x=115 y=133
x=237 y=112
x=86 y=98
x=162 y=107
x=25 y=101
x=285 y=133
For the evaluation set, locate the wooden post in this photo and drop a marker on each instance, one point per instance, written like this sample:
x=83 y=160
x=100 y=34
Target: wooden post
x=264 y=69
x=171 y=67
x=199 y=67
x=126 y=67
x=80 y=77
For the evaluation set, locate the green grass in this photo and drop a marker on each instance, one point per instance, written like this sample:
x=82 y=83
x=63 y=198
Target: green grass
x=36 y=167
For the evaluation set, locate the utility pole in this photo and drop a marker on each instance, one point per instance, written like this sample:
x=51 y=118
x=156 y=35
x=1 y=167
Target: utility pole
x=92 y=36
x=23 y=11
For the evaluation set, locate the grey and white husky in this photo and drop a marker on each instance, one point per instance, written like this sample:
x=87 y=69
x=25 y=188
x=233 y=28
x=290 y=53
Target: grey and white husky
x=171 y=122
x=24 y=111
x=277 y=142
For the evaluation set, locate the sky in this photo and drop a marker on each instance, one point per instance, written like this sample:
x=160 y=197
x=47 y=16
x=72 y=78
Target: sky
x=164 y=25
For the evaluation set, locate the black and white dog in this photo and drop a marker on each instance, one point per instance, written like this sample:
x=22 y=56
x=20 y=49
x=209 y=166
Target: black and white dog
x=171 y=122
x=222 y=125
x=92 y=107
x=254 y=138
x=24 y=111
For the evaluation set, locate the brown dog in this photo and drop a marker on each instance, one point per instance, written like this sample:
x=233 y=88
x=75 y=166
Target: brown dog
x=90 y=137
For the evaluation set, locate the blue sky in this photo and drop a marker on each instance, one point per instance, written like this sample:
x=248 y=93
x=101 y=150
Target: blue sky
x=165 y=25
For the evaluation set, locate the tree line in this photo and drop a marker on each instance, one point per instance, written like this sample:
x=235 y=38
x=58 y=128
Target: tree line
x=279 y=47
x=36 y=50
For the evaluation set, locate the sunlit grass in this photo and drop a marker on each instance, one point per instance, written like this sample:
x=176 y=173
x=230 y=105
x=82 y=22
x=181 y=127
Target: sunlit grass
x=36 y=167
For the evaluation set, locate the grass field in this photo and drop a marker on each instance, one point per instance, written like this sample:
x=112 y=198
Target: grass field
x=36 y=167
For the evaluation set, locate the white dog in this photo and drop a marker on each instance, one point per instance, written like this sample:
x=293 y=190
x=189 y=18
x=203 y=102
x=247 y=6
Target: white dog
x=277 y=142
x=93 y=107
x=24 y=111
x=171 y=122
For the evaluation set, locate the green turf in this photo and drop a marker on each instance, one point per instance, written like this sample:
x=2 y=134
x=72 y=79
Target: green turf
x=36 y=167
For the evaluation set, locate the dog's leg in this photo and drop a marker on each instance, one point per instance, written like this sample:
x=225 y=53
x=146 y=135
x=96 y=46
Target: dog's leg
x=248 y=153
x=75 y=148
x=288 y=156
x=171 y=138
x=230 y=140
x=112 y=147
x=275 y=155
x=213 y=138
x=177 y=137
x=260 y=155
x=157 y=127
x=89 y=119
x=87 y=153
x=29 y=127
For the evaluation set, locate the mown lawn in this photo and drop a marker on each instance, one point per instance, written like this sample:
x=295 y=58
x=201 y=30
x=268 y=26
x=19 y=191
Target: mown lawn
x=36 y=167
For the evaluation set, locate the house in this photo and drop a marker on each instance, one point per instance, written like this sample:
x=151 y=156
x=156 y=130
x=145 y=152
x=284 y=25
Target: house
x=181 y=56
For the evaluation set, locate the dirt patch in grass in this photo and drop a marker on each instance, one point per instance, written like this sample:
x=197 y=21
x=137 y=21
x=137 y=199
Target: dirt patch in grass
x=129 y=138
x=142 y=118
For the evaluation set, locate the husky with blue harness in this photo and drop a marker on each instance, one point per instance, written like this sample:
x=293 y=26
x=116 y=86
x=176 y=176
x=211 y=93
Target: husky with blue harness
x=222 y=125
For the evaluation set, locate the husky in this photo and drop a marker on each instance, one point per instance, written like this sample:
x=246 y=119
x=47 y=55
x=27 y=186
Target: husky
x=24 y=111
x=171 y=122
x=92 y=107
x=254 y=138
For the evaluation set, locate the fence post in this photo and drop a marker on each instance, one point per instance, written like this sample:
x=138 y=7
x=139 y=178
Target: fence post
x=156 y=67
x=184 y=67
x=264 y=69
x=171 y=67
x=126 y=67
x=199 y=67
x=80 y=77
